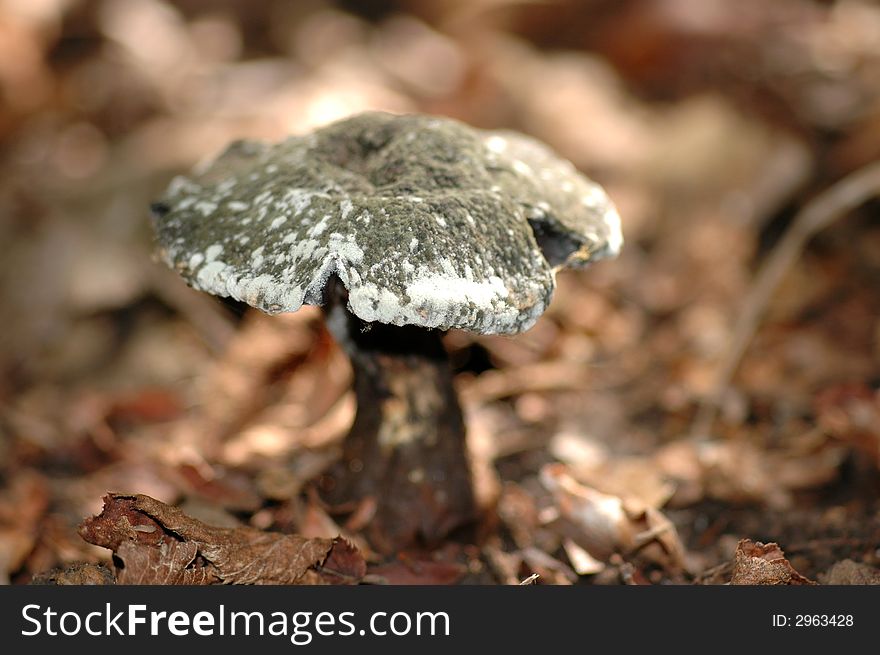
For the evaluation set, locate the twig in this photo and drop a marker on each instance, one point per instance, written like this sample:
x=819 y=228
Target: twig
x=838 y=200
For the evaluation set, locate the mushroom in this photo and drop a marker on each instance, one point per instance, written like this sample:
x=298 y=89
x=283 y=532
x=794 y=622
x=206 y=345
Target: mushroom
x=402 y=227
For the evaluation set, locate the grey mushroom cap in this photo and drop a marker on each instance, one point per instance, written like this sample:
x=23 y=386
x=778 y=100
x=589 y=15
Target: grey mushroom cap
x=425 y=221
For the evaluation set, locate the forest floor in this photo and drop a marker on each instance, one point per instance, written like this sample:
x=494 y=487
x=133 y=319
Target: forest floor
x=622 y=440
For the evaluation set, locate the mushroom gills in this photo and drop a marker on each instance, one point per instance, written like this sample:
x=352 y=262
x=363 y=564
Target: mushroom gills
x=556 y=244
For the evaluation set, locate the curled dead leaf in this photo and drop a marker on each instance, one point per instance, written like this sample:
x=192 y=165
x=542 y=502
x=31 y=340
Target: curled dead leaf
x=604 y=525
x=756 y=563
x=155 y=543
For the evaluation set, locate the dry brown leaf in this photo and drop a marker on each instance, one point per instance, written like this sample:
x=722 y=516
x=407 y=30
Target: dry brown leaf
x=518 y=512
x=756 y=563
x=851 y=413
x=582 y=562
x=603 y=524
x=22 y=506
x=417 y=571
x=548 y=568
x=848 y=572
x=739 y=471
x=591 y=463
x=76 y=574
x=312 y=521
x=159 y=544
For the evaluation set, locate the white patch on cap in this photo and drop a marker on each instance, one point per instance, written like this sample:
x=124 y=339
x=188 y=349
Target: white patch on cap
x=296 y=201
x=205 y=207
x=304 y=249
x=211 y=277
x=213 y=252
x=521 y=167
x=345 y=248
x=345 y=208
x=496 y=143
x=319 y=227
x=595 y=197
x=615 y=234
x=261 y=291
x=443 y=300
x=257 y=258
x=181 y=184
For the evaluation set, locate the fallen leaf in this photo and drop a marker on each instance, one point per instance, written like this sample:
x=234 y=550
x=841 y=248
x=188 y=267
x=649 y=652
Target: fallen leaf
x=756 y=563
x=581 y=560
x=156 y=543
x=851 y=413
x=604 y=525
x=412 y=571
x=76 y=574
x=848 y=572
x=22 y=506
x=143 y=406
x=742 y=472
x=547 y=567
x=517 y=510
x=505 y=566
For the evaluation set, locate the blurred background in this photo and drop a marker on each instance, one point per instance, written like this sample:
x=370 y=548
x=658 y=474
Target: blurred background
x=710 y=123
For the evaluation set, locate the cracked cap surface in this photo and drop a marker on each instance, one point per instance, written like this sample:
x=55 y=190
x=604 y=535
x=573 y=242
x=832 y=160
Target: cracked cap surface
x=425 y=221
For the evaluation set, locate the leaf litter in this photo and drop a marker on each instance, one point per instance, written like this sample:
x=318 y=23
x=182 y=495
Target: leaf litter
x=113 y=376
x=154 y=543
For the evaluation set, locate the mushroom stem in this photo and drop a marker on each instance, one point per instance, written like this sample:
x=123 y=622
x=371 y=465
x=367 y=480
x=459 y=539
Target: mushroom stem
x=406 y=447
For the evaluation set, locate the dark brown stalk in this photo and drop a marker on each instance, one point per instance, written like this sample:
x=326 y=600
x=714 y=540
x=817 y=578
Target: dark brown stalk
x=406 y=447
